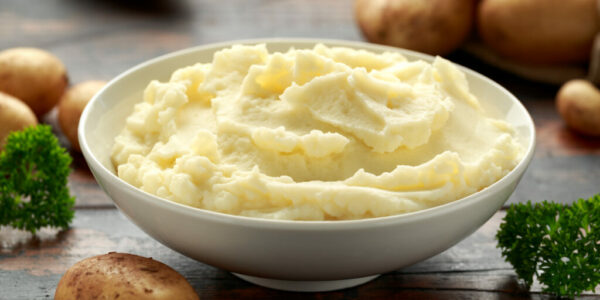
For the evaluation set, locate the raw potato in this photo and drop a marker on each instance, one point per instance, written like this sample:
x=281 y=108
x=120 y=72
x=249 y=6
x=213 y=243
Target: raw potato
x=539 y=31
x=122 y=276
x=72 y=104
x=432 y=26
x=14 y=115
x=578 y=102
x=33 y=75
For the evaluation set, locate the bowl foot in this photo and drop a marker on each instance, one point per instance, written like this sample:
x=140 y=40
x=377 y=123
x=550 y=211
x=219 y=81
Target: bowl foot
x=306 y=286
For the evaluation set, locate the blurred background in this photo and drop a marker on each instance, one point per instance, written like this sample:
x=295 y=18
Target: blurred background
x=548 y=42
x=98 y=39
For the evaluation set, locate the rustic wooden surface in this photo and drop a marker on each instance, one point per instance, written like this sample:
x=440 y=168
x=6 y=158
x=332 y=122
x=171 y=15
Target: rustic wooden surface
x=31 y=268
x=99 y=39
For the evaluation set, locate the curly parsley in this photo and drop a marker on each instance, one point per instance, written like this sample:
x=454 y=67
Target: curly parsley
x=557 y=243
x=33 y=181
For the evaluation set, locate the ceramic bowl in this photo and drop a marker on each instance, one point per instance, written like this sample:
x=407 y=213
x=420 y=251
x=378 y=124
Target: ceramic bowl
x=292 y=255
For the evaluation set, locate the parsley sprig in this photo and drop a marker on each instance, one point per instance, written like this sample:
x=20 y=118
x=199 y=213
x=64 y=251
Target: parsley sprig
x=33 y=181
x=557 y=243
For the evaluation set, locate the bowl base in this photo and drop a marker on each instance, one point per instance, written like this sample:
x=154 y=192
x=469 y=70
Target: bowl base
x=306 y=286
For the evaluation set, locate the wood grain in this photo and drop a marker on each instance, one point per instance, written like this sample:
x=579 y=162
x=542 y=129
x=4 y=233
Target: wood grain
x=25 y=261
x=31 y=267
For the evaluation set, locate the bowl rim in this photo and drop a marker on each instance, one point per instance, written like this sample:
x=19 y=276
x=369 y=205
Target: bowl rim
x=195 y=212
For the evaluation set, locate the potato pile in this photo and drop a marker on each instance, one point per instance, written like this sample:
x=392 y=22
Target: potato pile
x=32 y=82
x=531 y=31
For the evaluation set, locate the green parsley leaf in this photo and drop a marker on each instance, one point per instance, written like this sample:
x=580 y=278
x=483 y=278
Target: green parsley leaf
x=33 y=181
x=559 y=244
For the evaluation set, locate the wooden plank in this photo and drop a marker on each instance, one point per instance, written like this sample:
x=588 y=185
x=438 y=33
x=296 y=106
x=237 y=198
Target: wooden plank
x=97 y=231
x=31 y=268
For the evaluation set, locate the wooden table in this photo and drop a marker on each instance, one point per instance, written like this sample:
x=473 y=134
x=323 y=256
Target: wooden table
x=99 y=39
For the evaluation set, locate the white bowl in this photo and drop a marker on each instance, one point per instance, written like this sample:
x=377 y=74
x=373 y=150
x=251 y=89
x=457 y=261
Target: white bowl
x=291 y=255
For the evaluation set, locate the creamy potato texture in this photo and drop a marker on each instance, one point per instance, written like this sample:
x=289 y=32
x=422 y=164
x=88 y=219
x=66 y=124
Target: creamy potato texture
x=313 y=134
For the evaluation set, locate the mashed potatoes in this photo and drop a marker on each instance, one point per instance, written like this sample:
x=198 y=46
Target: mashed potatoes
x=321 y=134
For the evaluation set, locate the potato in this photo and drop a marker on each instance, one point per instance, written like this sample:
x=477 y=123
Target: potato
x=578 y=102
x=539 y=31
x=72 y=104
x=14 y=115
x=432 y=26
x=33 y=75
x=122 y=276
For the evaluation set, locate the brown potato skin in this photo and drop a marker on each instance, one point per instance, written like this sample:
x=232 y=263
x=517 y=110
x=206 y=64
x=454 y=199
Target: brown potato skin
x=578 y=102
x=539 y=31
x=33 y=75
x=122 y=276
x=14 y=115
x=436 y=27
x=72 y=104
